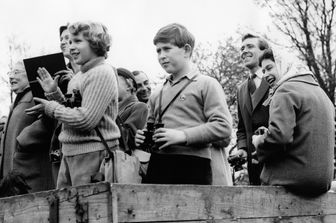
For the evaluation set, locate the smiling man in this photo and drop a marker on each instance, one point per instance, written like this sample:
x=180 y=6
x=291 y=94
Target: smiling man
x=251 y=94
x=26 y=139
x=143 y=87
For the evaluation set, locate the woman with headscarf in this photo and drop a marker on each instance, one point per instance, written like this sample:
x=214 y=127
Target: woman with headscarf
x=300 y=135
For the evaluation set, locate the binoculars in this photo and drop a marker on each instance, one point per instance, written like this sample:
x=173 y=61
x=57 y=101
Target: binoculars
x=149 y=145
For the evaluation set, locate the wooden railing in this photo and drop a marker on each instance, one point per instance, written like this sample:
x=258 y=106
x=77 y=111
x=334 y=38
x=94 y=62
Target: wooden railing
x=168 y=203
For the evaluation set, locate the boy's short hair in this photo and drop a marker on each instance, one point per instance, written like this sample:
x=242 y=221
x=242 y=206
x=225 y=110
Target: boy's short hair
x=262 y=43
x=95 y=33
x=175 y=34
x=267 y=54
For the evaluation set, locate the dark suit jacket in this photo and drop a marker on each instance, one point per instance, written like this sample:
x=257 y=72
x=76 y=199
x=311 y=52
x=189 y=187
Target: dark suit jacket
x=251 y=115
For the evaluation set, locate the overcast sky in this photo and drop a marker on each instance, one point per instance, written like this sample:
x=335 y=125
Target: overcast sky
x=132 y=24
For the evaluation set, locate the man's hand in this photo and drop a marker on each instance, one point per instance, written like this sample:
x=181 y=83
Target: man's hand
x=47 y=83
x=257 y=140
x=37 y=109
x=240 y=152
x=139 y=137
x=169 y=137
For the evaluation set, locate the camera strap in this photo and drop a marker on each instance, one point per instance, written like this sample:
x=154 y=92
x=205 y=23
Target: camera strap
x=161 y=113
x=104 y=143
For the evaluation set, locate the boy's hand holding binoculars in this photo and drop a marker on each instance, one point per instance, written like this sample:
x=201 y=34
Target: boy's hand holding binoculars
x=166 y=137
x=162 y=136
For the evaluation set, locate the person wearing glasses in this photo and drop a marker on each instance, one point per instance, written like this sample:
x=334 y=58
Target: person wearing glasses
x=26 y=139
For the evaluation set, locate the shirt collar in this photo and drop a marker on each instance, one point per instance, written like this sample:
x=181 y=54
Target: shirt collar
x=258 y=74
x=187 y=75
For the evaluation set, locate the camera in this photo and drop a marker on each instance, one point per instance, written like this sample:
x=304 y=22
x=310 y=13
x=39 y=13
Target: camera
x=56 y=156
x=73 y=100
x=236 y=162
x=149 y=145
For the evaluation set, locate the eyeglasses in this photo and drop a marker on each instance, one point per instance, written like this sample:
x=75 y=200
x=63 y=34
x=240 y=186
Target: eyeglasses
x=16 y=72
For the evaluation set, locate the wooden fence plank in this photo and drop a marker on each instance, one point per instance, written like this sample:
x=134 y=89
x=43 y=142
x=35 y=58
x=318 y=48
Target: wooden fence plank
x=35 y=207
x=172 y=203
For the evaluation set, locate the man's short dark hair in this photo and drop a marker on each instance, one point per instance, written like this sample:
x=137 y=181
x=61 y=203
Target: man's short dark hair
x=267 y=54
x=262 y=43
x=62 y=28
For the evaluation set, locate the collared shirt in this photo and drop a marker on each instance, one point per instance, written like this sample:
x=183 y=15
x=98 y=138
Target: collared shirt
x=172 y=82
x=259 y=75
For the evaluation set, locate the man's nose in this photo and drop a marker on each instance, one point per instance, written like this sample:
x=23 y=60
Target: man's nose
x=243 y=51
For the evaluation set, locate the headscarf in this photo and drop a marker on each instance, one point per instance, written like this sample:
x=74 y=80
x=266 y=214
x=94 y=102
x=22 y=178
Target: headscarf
x=288 y=66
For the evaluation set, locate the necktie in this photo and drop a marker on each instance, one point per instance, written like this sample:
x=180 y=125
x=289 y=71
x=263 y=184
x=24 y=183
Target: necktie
x=251 y=85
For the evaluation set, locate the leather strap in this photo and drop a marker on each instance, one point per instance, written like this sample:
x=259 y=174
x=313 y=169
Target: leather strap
x=161 y=113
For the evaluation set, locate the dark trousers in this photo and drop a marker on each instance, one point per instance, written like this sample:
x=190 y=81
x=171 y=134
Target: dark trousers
x=178 y=169
x=254 y=171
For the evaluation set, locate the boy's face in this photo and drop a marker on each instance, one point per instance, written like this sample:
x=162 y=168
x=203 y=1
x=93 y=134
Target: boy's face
x=172 y=58
x=80 y=49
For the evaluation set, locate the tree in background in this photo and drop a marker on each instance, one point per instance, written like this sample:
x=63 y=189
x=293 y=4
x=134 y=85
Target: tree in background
x=308 y=25
x=222 y=62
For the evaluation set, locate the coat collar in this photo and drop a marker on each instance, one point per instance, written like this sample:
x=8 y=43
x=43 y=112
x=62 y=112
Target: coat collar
x=259 y=93
x=123 y=104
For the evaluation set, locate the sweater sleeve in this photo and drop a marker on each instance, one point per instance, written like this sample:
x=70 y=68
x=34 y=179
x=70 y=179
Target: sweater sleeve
x=136 y=120
x=55 y=96
x=98 y=89
x=219 y=121
x=281 y=125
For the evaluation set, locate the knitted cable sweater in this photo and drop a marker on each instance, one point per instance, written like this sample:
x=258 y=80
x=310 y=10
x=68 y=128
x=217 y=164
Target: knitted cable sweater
x=97 y=85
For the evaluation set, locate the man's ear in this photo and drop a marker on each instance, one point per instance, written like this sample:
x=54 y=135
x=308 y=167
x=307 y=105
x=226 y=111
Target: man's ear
x=187 y=49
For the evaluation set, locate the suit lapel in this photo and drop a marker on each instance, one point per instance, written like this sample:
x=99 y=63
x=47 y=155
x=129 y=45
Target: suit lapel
x=259 y=93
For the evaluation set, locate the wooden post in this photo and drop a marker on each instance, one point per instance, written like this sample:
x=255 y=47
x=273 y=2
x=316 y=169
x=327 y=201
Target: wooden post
x=35 y=207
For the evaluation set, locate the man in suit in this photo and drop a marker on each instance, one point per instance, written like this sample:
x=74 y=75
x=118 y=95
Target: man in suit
x=250 y=96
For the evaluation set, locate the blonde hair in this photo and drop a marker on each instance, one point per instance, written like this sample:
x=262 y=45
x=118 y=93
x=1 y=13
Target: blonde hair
x=95 y=33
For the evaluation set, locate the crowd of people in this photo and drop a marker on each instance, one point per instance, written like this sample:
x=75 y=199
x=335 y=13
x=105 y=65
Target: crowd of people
x=286 y=128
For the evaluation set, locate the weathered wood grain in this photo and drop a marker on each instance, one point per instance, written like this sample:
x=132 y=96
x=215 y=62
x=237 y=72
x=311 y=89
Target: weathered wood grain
x=173 y=203
x=168 y=203
x=35 y=207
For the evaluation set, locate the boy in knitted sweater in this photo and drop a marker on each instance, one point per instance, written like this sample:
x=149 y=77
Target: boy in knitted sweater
x=96 y=83
x=198 y=117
